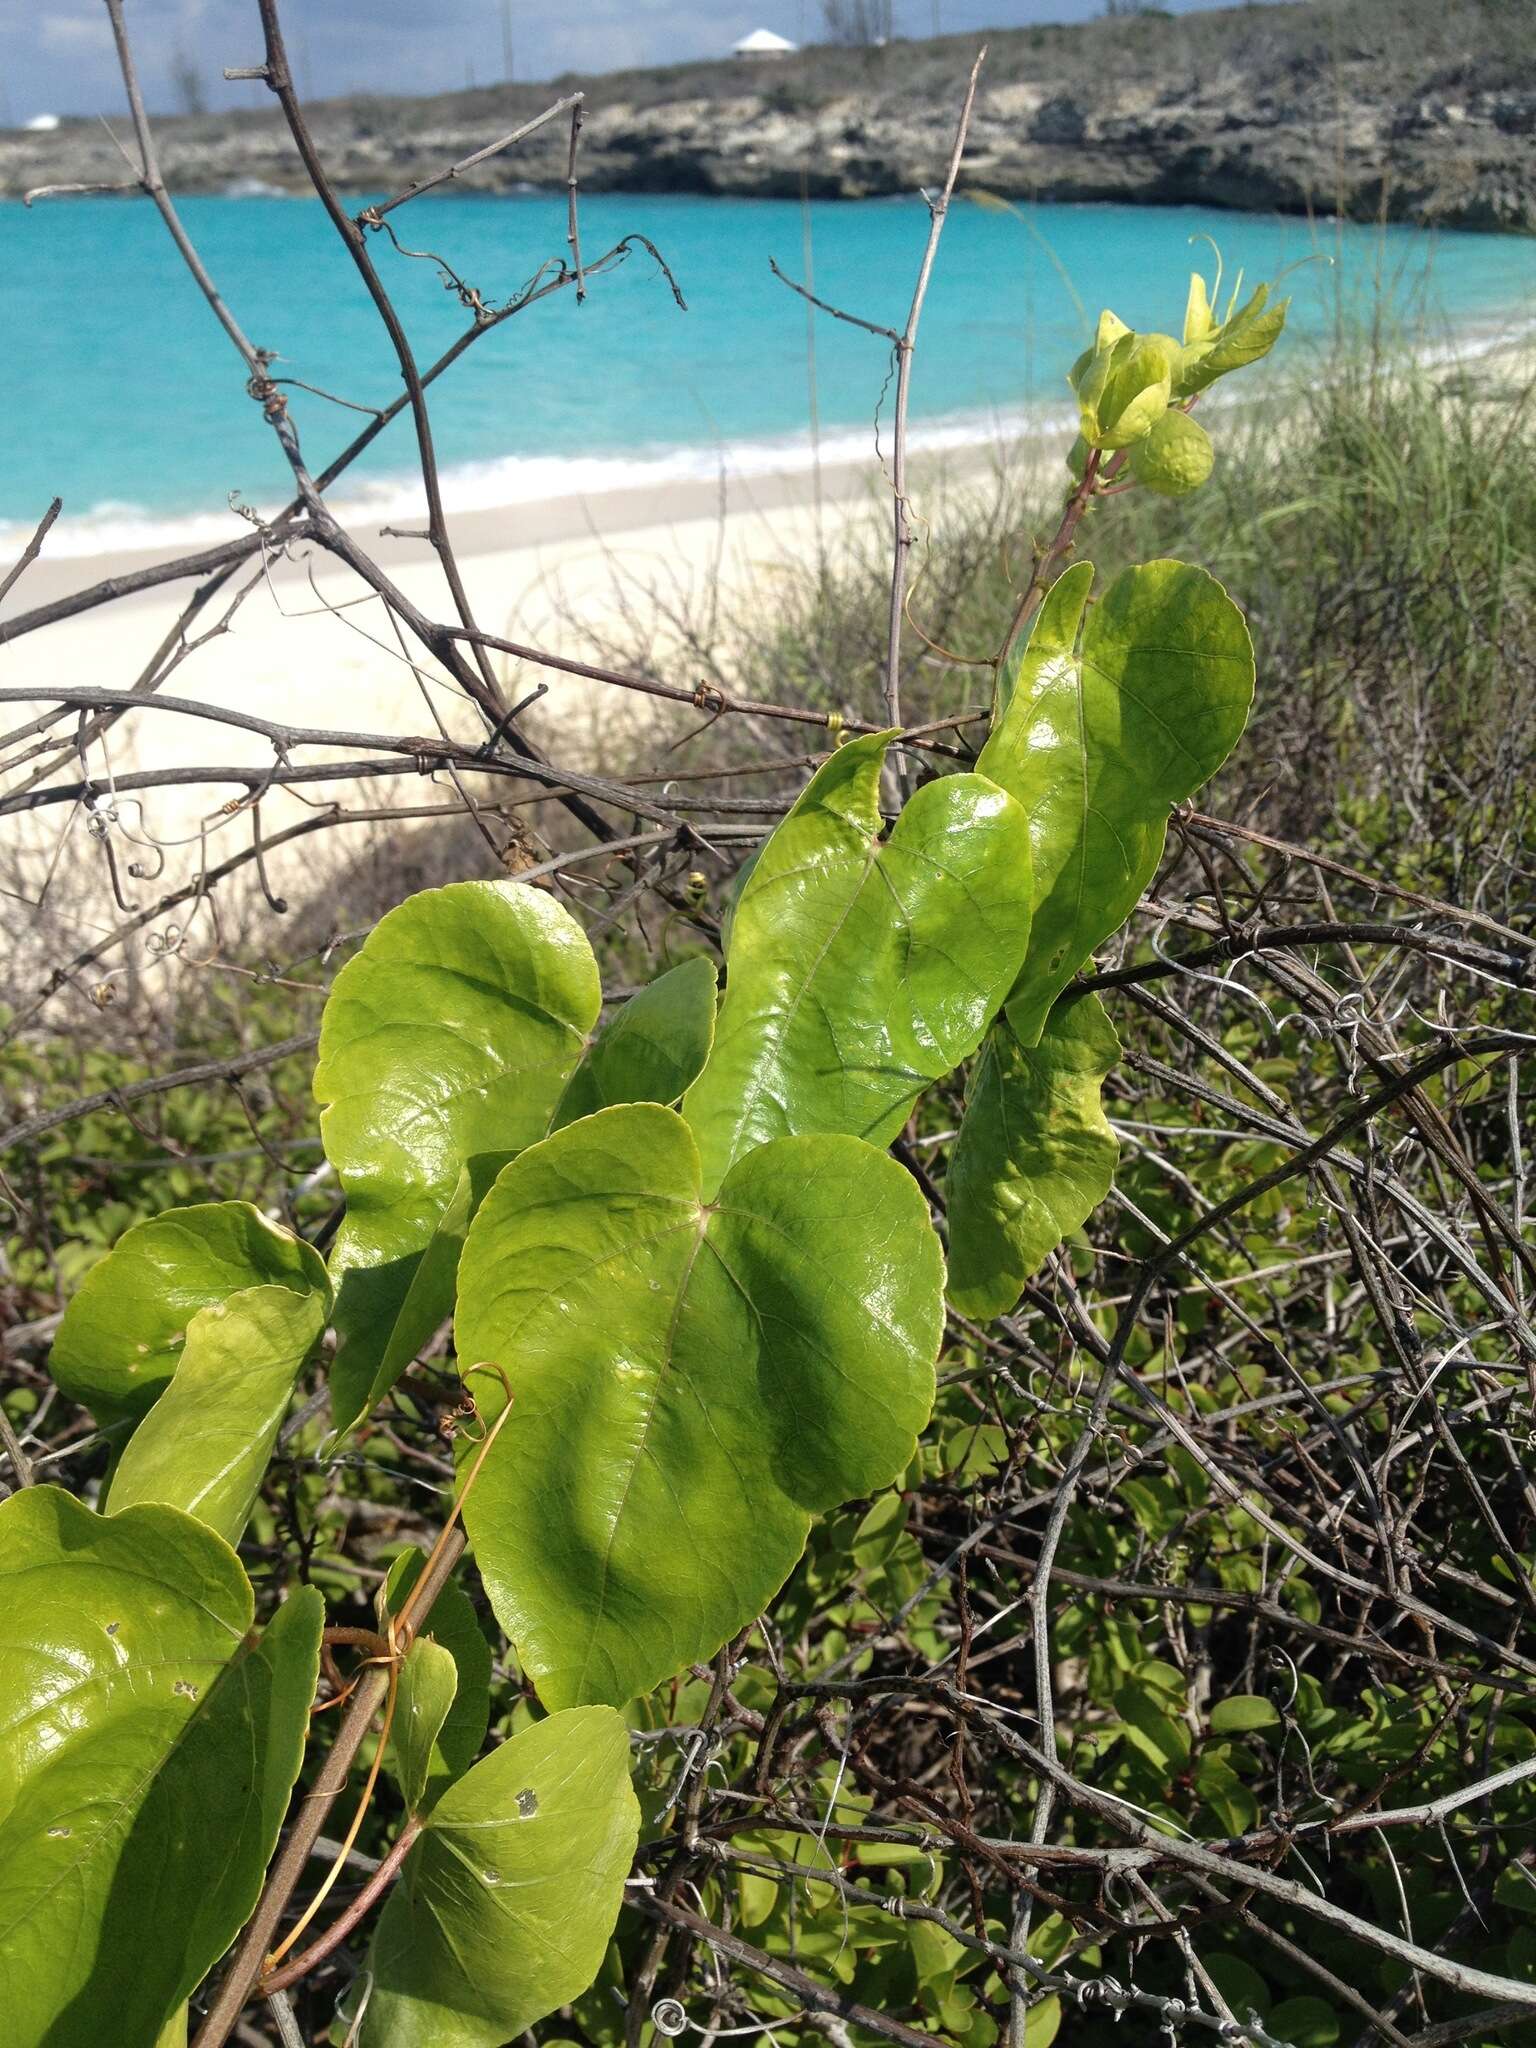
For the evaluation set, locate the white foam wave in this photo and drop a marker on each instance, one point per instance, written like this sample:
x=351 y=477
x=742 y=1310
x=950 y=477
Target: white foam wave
x=115 y=526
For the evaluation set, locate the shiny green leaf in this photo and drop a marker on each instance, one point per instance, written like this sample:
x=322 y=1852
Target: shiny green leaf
x=122 y=1334
x=1304 y=2022
x=651 y=1049
x=147 y=1750
x=450 y=1035
x=1108 y=724
x=1035 y=1155
x=1241 y=1712
x=1242 y=338
x=205 y=1444
x=862 y=969
x=691 y=1382
x=429 y=1678
x=507 y=1900
x=1123 y=390
x=451 y=1626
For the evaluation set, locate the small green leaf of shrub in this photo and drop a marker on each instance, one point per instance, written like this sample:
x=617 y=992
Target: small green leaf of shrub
x=450 y=1034
x=205 y=1444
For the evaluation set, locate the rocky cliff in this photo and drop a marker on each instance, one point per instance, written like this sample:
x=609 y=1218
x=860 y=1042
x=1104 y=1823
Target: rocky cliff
x=1407 y=109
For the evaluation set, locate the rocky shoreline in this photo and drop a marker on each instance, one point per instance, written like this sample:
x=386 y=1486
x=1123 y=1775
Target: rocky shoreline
x=1291 y=108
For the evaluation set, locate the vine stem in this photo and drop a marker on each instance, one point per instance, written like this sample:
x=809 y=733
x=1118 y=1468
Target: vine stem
x=1058 y=548
x=250 y=1958
x=377 y=1686
x=346 y=1920
x=906 y=344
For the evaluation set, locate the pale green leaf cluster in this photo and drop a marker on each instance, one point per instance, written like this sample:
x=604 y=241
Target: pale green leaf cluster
x=1134 y=391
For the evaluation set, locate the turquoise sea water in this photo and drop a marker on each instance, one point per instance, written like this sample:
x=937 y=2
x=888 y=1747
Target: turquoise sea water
x=123 y=396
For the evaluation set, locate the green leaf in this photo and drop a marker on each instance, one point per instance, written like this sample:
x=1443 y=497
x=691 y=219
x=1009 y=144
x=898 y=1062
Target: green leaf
x=429 y=1678
x=1035 y=1155
x=691 y=1382
x=1123 y=390
x=1240 y=1985
x=651 y=1050
x=1242 y=1712
x=121 y=1337
x=1107 y=725
x=862 y=969
x=1304 y=2022
x=506 y=1902
x=449 y=1035
x=147 y=1751
x=1242 y=338
x=205 y=1444
x=452 y=1626
x=1164 y=1740
x=427 y=1303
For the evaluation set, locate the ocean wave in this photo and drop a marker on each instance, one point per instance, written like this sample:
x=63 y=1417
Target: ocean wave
x=119 y=527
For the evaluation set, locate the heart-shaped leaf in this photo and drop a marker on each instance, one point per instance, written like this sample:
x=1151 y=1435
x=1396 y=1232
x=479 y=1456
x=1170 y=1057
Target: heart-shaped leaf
x=1035 y=1155
x=1106 y=726
x=448 y=1036
x=204 y=1445
x=862 y=969
x=121 y=1337
x=508 y=1898
x=692 y=1381
x=465 y=1693
x=147 y=1750
x=652 y=1047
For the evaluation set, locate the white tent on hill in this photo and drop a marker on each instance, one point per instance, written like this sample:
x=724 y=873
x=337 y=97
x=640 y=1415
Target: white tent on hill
x=764 y=43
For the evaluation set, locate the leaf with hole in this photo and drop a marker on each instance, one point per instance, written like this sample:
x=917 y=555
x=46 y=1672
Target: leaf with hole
x=862 y=968
x=1035 y=1154
x=1108 y=723
x=692 y=1381
x=205 y=1444
x=121 y=1336
x=449 y=1036
x=508 y=1897
x=148 y=1746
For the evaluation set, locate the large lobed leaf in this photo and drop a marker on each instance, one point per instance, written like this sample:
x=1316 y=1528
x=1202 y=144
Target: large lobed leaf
x=148 y=1746
x=862 y=968
x=122 y=1335
x=692 y=1381
x=1105 y=726
x=507 y=1901
x=1035 y=1155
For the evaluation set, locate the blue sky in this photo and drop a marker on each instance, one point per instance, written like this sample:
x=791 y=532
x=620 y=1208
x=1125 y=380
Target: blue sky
x=56 y=55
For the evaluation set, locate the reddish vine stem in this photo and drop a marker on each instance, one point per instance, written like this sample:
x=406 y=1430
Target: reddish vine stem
x=350 y=1916
x=241 y=1980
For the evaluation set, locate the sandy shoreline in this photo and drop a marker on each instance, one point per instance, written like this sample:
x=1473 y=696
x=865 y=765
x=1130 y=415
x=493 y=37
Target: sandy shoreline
x=561 y=576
